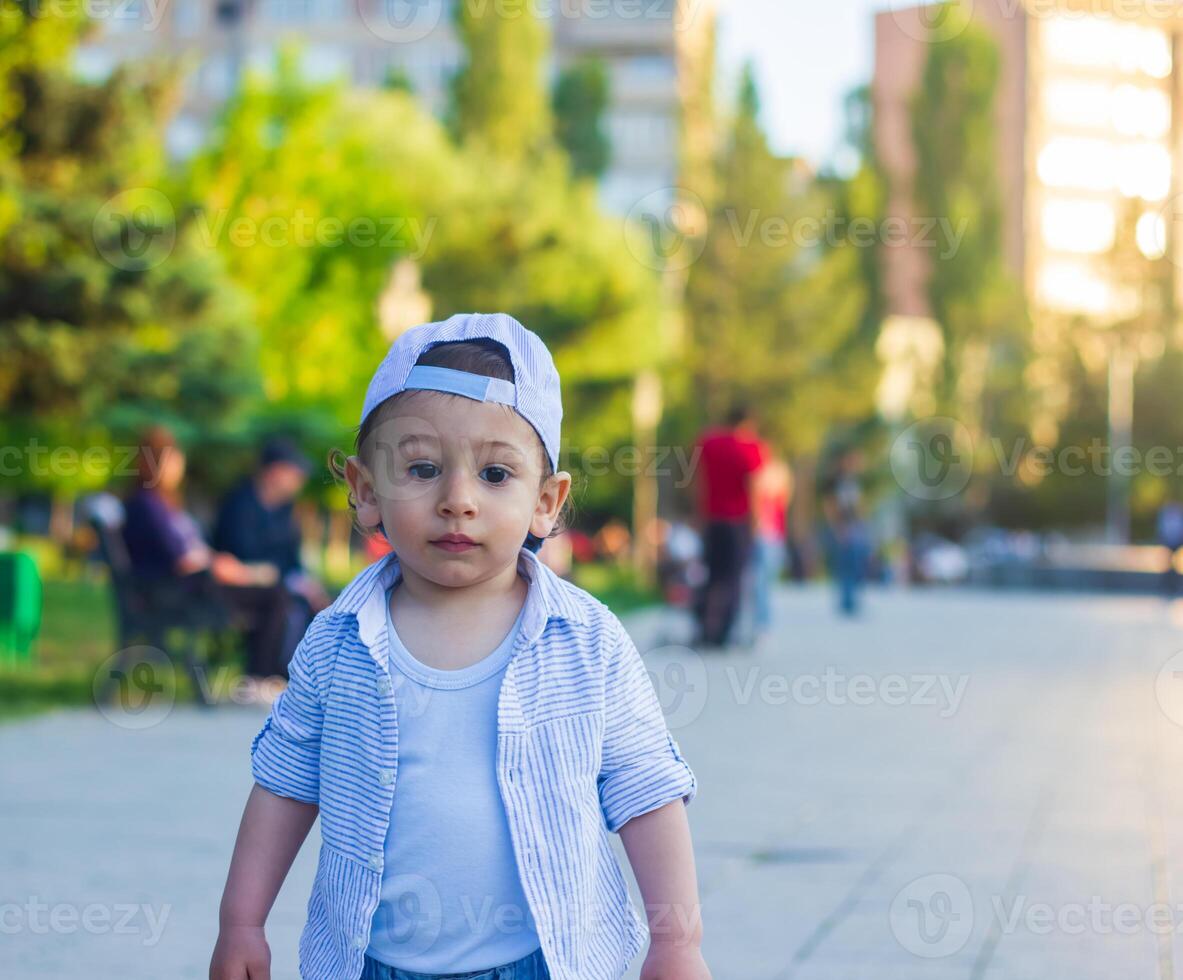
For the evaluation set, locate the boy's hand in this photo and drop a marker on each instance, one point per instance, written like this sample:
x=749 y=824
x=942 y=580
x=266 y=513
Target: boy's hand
x=241 y=953
x=674 y=961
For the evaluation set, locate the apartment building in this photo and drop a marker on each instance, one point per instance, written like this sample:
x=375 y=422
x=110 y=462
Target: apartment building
x=649 y=47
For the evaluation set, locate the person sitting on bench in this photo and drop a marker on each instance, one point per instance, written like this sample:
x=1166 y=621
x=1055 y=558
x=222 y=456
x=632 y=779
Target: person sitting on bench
x=256 y=524
x=163 y=539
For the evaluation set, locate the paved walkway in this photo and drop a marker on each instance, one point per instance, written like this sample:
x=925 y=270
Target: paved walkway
x=960 y=785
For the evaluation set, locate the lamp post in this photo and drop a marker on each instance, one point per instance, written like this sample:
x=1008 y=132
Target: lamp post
x=677 y=240
x=402 y=304
x=1141 y=283
x=910 y=349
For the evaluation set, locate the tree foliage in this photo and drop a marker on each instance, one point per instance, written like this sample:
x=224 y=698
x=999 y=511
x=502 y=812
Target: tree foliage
x=976 y=300
x=775 y=317
x=579 y=101
x=498 y=100
x=111 y=313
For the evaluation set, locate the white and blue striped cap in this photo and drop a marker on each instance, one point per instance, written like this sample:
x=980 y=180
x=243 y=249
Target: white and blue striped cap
x=534 y=393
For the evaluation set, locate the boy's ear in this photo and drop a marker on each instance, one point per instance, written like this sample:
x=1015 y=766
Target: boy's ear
x=550 y=501
x=361 y=485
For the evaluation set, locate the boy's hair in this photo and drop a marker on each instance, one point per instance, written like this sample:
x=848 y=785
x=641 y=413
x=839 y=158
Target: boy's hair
x=481 y=356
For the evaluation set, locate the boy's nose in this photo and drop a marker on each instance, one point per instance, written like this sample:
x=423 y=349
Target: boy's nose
x=457 y=497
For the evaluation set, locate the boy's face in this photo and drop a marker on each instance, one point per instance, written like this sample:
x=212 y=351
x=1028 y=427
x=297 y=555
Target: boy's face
x=444 y=464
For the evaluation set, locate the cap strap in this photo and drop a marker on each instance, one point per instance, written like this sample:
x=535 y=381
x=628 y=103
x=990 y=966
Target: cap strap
x=476 y=386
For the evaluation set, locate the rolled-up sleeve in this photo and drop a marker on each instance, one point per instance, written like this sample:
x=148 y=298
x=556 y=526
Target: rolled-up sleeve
x=641 y=765
x=285 y=754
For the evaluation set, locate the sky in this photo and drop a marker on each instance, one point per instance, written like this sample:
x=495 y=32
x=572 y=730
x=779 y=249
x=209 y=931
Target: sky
x=808 y=54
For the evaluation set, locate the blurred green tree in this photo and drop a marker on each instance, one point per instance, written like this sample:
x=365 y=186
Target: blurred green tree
x=978 y=303
x=776 y=303
x=111 y=314
x=498 y=99
x=310 y=193
x=579 y=100
x=296 y=174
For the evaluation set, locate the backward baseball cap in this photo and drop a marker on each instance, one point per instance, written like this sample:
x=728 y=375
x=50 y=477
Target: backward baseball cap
x=534 y=393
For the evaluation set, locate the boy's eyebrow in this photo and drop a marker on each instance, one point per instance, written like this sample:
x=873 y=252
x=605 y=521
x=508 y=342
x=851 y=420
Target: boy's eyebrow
x=494 y=443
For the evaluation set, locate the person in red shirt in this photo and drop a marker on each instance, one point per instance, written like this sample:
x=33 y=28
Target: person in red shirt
x=728 y=455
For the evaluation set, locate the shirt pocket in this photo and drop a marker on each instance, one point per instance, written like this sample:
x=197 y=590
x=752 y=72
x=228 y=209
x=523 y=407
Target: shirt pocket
x=564 y=757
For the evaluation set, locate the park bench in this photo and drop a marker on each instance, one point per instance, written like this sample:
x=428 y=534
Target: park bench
x=163 y=612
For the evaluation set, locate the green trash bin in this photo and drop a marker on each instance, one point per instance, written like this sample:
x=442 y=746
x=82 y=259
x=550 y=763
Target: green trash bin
x=20 y=606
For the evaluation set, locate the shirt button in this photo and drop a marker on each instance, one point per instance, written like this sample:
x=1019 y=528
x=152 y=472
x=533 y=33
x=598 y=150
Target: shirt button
x=359 y=942
x=376 y=862
x=385 y=776
x=384 y=685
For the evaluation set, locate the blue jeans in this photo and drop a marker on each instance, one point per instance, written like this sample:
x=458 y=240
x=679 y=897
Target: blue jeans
x=848 y=558
x=530 y=967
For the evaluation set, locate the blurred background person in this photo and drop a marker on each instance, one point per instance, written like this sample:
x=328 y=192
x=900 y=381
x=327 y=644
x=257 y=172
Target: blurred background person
x=728 y=455
x=163 y=539
x=613 y=542
x=847 y=542
x=1170 y=536
x=556 y=554
x=257 y=524
x=772 y=489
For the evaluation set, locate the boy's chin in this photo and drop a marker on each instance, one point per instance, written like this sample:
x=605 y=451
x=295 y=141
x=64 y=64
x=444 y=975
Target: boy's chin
x=464 y=567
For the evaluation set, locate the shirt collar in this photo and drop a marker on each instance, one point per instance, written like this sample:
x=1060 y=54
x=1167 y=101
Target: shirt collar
x=549 y=597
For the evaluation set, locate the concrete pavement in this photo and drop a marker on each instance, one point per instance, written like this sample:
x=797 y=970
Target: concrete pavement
x=958 y=785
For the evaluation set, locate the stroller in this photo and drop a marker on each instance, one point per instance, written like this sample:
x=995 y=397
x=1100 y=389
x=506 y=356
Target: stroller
x=681 y=574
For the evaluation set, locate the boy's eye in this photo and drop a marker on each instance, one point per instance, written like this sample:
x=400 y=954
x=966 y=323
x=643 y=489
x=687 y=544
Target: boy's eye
x=493 y=475
x=497 y=469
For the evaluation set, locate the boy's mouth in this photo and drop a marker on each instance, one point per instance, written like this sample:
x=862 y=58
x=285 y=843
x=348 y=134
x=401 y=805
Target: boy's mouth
x=454 y=542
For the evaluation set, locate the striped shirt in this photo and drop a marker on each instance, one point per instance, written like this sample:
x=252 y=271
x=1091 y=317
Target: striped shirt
x=582 y=748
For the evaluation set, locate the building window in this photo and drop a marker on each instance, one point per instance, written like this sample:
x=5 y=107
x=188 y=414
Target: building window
x=184 y=137
x=228 y=13
x=188 y=17
x=218 y=76
x=1107 y=43
x=122 y=18
x=1083 y=226
x=93 y=64
x=325 y=62
x=303 y=11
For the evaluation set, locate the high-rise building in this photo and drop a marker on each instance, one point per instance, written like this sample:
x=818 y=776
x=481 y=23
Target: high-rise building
x=1088 y=139
x=654 y=51
x=648 y=46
